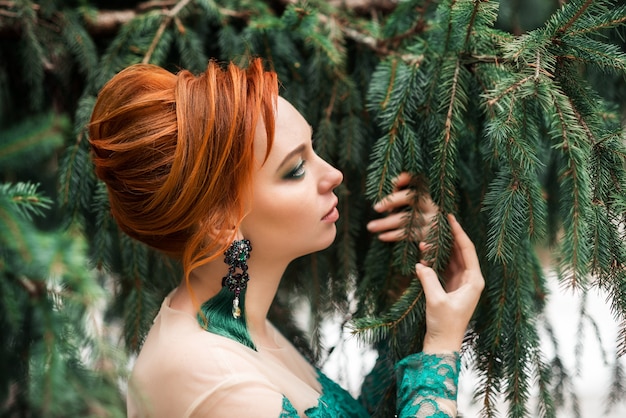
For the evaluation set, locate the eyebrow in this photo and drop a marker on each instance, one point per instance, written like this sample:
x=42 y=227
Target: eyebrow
x=298 y=150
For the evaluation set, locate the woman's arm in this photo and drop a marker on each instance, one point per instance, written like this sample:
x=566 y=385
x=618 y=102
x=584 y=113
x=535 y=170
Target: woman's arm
x=427 y=381
x=427 y=385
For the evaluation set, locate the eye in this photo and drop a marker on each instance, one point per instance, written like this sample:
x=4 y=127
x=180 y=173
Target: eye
x=297 y=172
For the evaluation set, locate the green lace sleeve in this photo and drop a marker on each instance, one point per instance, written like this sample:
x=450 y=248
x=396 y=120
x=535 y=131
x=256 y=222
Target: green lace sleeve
x=427 y=385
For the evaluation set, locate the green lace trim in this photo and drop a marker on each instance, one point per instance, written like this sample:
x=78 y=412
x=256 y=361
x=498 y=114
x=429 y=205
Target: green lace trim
x=335 y=402
x=288 y=410
x=423 y=379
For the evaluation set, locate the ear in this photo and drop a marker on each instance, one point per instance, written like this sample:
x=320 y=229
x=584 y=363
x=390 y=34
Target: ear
x=238 y=235
x=225 y=236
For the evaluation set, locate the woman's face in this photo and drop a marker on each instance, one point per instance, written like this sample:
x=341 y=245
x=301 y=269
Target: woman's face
x=294 y=209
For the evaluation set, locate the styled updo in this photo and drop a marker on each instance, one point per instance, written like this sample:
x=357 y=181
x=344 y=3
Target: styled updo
x=176 y=153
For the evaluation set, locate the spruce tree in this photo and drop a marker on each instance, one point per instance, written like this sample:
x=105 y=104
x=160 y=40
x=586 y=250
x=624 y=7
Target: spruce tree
x=511 y=120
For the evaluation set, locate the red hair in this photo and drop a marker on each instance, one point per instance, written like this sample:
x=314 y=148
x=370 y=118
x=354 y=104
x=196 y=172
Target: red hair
x=176 y=153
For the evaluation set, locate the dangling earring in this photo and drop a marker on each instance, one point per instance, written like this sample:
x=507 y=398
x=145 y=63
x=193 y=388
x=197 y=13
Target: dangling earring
x=236 y=256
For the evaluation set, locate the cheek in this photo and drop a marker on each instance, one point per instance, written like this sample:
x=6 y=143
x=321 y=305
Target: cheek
x=288 y=223
x=275 y=211
x=284 y=212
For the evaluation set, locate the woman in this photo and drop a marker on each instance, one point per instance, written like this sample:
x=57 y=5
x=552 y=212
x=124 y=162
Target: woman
x=219 y=171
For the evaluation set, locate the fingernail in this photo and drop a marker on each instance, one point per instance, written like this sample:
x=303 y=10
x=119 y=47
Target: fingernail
x=419 y=266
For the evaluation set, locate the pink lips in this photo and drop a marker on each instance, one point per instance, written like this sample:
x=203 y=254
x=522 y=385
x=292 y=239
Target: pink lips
x=332 y=215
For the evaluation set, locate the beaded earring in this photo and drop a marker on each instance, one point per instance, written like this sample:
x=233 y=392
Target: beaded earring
x=236 y=256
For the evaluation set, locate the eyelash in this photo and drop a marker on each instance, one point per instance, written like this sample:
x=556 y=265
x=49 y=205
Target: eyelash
x=297 y=172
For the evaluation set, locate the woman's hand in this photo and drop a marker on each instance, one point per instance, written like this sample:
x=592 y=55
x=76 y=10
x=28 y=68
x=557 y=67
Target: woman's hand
x=449 y=311
x=392 y=227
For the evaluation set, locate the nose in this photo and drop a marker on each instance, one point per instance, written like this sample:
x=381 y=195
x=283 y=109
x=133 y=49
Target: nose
x=330 y=179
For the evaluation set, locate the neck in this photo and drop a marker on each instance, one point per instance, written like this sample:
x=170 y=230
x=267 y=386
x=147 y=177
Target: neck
x=206 y=282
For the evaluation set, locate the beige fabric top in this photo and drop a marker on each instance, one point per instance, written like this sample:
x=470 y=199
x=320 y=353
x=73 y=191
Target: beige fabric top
x=185 y=371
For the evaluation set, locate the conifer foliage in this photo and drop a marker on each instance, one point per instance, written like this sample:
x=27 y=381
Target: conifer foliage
x=518 y=130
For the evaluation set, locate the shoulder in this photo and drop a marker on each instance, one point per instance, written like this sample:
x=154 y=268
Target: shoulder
x=181 y=364
x=177 y=346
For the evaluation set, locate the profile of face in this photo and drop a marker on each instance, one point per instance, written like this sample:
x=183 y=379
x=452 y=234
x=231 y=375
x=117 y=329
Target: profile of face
x=293 y=209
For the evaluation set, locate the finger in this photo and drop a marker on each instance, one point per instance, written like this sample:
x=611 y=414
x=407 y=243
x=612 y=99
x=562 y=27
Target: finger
x=395 y=200
x=415 y=235
x=424 y=246
x=430 y=283
x=464 y=245
x=402 y=180
x=392 y=236
x=393 y=221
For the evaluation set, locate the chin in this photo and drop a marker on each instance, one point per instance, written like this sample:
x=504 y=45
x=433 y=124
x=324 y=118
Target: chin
x=329 y=241
x=322 y=244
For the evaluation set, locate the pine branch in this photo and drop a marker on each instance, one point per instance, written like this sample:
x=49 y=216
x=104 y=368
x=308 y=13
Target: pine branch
x=358 y=6
x=576 y=16
x=381 y=328
x=470 y=26
x=444 y=193
x=100 y=22
x=167 y=19
x=516 y=86
x=616 y=392
x=546 y=405
x=574 y=180
x=106 y=22
x=13 y=233
x=389 y=104
x=621 y=338
x=26 y=199
x=34 y=59
x=190 y=47
x=616 y=17
x=137 y=302
x=36 y=137
x=605 y=56
x=508 y=338
x=508 y=210
x=81 y=45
